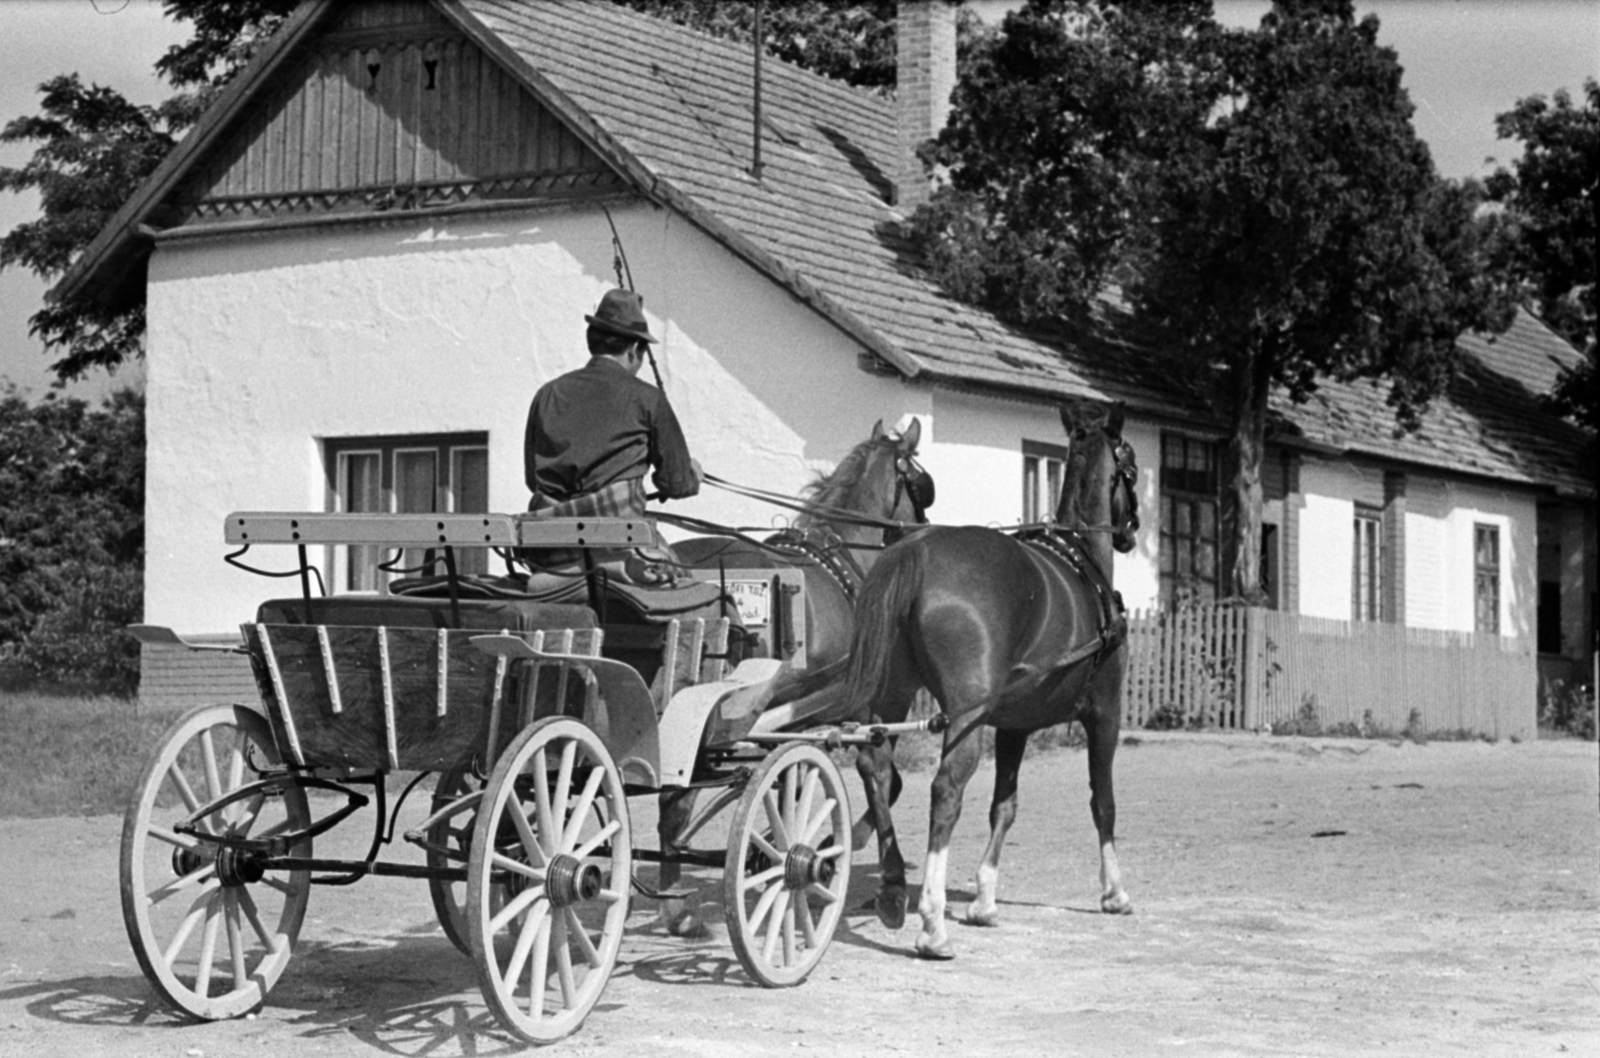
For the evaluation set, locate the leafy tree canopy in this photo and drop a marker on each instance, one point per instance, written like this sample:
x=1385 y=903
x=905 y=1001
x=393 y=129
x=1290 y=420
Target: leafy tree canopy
x=1259 y=194
x=1551 y=195
x=71 y=540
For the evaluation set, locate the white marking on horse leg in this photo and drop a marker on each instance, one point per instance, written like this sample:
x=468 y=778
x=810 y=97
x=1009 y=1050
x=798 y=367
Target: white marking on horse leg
x=1114 y=900
x=983 y=910
x=931 y=904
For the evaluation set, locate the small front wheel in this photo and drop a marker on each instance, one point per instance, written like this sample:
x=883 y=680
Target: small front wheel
x=212 y=930
x=788 y=865
x=549 y=879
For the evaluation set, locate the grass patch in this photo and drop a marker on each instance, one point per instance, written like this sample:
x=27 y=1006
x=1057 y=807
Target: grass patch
x=63 y=755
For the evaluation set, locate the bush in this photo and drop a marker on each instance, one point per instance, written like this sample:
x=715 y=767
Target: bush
x=71 y=542
x=1568 y=707
x=1306 y=723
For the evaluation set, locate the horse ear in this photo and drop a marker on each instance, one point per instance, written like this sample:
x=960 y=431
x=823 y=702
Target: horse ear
x=877 y=430
x=1114 y=419
x=913 y=434
x=1075 y=415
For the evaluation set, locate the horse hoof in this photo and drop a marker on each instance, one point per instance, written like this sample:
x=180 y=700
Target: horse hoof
x=892 y=907
x=1118 y=903
x=991 y=917
x=944 y=951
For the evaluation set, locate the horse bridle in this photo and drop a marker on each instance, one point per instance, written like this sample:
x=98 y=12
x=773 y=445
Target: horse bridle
x=1126 y=476
x=916 y=483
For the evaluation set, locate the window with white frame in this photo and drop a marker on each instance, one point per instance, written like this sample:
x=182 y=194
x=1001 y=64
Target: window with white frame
x=405 y=474
x=1042 y=468
x=1486 y=577
x=1366 y=571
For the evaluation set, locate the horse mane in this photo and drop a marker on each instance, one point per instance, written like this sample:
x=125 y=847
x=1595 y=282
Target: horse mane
x=842 y=489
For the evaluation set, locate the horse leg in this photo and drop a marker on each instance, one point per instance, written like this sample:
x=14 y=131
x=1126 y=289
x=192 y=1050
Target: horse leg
x=1102 y=723
x=1008 y=750
x=676 y=914
x=876 y=767
x=962 y=749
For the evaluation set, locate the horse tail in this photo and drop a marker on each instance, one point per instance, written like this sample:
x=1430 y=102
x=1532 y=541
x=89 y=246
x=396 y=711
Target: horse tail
x=885 y=602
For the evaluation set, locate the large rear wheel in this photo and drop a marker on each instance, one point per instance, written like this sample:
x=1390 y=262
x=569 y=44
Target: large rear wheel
x=788 y=866
x=549 y=879
x=211 y=930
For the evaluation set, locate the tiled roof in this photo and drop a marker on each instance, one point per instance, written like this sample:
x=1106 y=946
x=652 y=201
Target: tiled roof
x=680 y=102
x=672 y=109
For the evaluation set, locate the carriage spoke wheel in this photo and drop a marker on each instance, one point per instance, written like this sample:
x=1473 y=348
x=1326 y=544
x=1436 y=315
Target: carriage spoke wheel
x=549 y=879
x=457 y=786
x=212 y=930
x=788 y=865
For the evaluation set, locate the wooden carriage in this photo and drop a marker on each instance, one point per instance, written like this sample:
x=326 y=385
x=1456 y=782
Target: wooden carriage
x=537 y=731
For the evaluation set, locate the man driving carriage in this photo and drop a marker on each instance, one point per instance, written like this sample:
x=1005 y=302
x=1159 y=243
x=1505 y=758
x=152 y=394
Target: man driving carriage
x=594 y=433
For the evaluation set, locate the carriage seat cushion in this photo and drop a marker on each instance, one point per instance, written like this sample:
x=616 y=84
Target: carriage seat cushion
x=409 y=611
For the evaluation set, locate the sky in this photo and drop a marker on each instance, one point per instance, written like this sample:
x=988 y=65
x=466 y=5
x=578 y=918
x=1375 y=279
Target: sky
x=1465 y=61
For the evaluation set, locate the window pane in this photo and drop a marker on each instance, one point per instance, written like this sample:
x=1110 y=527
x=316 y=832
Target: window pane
x=415 y=475
x=415 y=479
x=1053 y=467
x=469 y=493
x=1208 y=521
x=1030 y=488
x=360 y=492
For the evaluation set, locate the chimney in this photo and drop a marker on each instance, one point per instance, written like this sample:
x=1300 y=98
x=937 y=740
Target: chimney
x=925 y=56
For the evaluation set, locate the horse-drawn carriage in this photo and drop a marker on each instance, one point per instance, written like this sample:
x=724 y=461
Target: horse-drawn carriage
x=542 y=713
x=538 y=732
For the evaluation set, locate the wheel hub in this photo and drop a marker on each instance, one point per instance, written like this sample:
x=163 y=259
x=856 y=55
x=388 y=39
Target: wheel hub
x=236 y=867
x=803 y=867
x=569 y=880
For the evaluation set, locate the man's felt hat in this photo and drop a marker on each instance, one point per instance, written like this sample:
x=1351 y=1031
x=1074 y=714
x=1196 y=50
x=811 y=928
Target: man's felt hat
x=621 y=312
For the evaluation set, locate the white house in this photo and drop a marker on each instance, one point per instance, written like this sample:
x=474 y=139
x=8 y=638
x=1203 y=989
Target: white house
x=383 y=237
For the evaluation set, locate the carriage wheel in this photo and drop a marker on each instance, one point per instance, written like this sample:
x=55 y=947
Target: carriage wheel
x=453 y=832
x=788 y=865
x=210 y=930
x=549 y=879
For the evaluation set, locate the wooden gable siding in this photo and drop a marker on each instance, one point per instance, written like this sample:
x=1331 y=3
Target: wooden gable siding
x=391 y=107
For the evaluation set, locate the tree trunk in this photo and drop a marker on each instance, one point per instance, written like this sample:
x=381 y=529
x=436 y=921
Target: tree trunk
x=1241 y=506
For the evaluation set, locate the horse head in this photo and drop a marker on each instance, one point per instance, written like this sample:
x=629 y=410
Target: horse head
x=1100 y=492
x=913 y=485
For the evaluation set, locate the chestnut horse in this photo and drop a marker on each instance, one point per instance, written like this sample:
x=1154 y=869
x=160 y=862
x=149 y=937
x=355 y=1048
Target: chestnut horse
x=1018 y=632
x=835 y=541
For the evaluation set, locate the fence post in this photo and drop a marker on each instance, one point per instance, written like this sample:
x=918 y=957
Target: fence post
x=1251 y=671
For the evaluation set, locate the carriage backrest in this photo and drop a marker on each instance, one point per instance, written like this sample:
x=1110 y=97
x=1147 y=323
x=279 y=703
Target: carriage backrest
x=406 y=611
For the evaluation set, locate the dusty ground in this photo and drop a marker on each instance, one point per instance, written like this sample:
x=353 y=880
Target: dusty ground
x=1450 y=908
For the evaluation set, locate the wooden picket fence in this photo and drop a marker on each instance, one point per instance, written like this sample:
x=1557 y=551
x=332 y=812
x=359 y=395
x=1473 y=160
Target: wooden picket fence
x=1242 y=668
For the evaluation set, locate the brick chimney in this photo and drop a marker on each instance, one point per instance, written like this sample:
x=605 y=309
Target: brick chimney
x=925 y=55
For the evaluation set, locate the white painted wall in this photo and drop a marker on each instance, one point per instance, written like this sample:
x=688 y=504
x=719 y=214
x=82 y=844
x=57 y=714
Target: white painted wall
x=260 y=346
x=976 y=460
x=1440 y=516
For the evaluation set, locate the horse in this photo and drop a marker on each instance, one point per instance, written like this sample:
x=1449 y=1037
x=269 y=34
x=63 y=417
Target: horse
x=835 y=540
x=1014 y=631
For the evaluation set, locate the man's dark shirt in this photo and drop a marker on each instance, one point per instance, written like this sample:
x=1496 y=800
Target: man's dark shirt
x=600 y=424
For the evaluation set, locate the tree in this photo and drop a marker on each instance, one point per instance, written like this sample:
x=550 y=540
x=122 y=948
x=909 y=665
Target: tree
x=1260 y=194
x=848 y=41
x=71 y=540
x=1551 y=195
x=94 y=149
x=1059 y=127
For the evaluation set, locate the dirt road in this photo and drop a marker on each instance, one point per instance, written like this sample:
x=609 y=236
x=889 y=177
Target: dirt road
x=1293 y=897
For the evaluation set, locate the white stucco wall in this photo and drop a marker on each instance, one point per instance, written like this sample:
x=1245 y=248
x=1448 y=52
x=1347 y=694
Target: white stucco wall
x=1440 y=516
x=976 y=459
x=259 y=346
